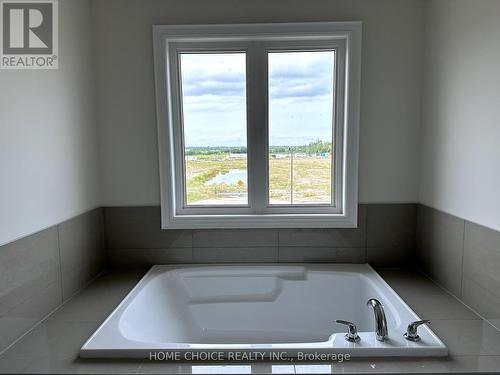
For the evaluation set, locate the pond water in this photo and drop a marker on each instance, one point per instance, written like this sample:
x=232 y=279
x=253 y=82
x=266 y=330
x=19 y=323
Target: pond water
x=230 y=178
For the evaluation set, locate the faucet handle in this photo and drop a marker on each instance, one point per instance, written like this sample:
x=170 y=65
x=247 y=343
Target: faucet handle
x=412 y=330
x=352 y=331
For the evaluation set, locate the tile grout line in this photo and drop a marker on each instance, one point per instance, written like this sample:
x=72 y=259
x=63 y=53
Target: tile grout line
x=192 y=248
x=60 y=262
x=366 y=233
x=462 y=265
x=278 y=232
x=415 y=228
x=105 y=247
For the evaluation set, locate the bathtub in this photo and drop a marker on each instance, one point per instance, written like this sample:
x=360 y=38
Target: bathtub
x=208 y=311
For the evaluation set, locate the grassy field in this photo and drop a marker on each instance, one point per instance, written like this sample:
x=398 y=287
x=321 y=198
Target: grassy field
x=312 y=182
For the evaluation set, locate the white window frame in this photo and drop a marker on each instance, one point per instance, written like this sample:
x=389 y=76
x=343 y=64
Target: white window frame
x=256 y=40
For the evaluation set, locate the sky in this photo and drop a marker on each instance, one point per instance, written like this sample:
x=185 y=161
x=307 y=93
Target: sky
x=214 y=98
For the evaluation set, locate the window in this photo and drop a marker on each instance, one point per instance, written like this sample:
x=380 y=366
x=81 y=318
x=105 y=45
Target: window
x=258 y=124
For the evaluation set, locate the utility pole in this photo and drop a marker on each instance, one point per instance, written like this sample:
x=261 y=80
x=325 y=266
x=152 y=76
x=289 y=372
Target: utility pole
x=291 y=175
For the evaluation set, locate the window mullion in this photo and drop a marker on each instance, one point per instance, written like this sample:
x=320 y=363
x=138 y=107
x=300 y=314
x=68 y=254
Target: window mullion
x=257 y=127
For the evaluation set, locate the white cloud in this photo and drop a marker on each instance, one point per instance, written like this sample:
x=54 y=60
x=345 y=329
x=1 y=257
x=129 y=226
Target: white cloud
x=215 y=97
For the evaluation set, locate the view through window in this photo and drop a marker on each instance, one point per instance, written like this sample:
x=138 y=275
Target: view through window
x=215 y=128
x=301 y=96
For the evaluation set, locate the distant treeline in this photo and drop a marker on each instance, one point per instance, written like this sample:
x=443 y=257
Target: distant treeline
x=315 y=147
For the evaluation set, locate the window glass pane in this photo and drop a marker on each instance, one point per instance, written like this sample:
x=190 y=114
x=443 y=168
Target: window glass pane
x=214 y=119
x=301 y=96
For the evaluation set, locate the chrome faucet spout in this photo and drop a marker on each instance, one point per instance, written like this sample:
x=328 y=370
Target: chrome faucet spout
x=380 y=321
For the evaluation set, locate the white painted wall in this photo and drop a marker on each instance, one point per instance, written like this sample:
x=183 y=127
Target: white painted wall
x=460 y=147
x=391 y=86
x=48 y=145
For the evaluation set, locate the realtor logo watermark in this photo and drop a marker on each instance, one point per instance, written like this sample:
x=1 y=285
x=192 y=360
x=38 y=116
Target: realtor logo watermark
x=29 y=34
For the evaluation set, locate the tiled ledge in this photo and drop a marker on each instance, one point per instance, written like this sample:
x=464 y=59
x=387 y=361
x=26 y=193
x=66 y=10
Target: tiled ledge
x=41 y=271
x=462 y=257
x=474 y=345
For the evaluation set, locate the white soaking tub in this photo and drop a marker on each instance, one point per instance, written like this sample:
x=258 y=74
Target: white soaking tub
x=284 y=310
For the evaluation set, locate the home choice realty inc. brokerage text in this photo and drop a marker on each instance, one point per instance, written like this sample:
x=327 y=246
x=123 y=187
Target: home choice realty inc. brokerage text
x=247 y=356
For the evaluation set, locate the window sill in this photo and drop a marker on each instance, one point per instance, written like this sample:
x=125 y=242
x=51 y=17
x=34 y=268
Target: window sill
x=261 y=221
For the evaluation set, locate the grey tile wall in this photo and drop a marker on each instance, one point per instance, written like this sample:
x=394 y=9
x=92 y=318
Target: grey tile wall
x=144 y=258
x=307 y=254
x=325 y=237
x=30 y=283
x=481 y=271
x=440 y=247
x=262 y=254
x=234 y=238
x=134 y=238
x=140 y=228
x=40 y=271
x=81 y=243
x=462 y=257
x=390 y=238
